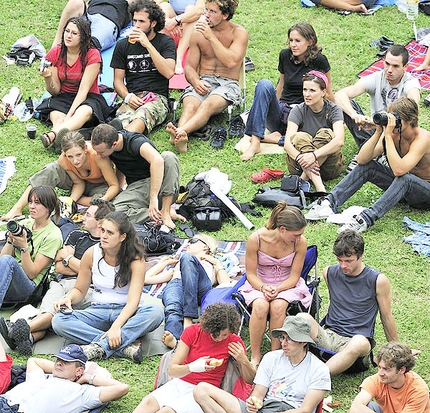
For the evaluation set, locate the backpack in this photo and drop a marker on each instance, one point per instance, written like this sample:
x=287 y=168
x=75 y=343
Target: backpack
x=155 y=239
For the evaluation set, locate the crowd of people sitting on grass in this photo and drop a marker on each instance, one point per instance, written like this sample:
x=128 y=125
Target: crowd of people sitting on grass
x=96 y=300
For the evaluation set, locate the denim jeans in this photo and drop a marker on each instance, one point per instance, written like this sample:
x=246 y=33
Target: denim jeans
x=266 y=112
x=89 y=325
x=375 y=407
x=414 y=190
x=182 y=296
x=360 y=135
x=14 y=282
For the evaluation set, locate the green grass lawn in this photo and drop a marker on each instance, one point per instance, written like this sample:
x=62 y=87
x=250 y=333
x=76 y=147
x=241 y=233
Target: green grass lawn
x=345 y=42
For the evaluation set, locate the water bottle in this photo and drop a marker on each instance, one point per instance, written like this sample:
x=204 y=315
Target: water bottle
x=412 y=9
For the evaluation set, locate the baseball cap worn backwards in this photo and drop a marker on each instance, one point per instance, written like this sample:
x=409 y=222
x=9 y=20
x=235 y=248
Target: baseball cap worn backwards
x=297 y=328
x=72 y=352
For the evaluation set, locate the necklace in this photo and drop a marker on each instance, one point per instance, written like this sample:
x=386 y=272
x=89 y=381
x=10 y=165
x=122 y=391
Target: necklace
x=296 y=365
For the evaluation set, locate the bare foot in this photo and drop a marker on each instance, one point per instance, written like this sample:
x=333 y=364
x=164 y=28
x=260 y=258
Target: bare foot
x=421 y=67
x=14 y=212
x=251 y=151
x=169 y=339
x=361 y=8
x=181 y=141
x=178 y=68
x=171 y=130
x=272 y=137
x=175 y=216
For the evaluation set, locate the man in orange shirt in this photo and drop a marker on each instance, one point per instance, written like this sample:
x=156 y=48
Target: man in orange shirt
x=395 y=387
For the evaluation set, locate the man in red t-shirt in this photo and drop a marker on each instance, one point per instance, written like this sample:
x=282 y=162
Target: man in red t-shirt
x=201 y=356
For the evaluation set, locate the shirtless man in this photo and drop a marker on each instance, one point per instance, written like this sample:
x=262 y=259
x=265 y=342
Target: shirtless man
x=217 y=49
x=407 y=148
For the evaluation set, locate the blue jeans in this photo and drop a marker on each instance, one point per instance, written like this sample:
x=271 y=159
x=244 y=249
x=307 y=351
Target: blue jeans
x=88 y=326
x=375 y=407
x=14 y=282
x=182 y=296
x=266 y=112
x=414 y=190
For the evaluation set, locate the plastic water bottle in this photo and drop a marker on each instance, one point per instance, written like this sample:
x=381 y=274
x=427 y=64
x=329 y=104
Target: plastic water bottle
x=401 y=5
x=412 y=9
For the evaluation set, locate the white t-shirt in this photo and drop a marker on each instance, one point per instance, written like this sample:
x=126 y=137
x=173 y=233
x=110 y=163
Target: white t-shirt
x=290 y=384
x=382 y=93
x=43 y=393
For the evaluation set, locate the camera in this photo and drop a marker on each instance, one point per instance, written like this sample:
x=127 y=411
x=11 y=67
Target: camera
x=381 y=119
x=44 y=63
x=17 y=230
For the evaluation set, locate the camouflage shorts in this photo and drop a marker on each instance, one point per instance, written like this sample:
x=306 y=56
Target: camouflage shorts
x=151 y=113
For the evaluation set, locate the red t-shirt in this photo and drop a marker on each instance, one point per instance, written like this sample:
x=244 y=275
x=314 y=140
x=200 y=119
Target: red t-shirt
x=5 y=368
x=72 y=81
x=201 y=344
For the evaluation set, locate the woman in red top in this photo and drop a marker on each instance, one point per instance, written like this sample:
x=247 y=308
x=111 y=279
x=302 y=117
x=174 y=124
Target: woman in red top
x=72 y=80
x=79 y=170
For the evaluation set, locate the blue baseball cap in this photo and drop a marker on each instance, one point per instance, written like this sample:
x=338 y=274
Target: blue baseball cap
x=72 y=352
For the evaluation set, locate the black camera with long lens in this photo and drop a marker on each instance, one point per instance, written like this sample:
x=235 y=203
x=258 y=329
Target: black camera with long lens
x=381 y=119
x=18 y=230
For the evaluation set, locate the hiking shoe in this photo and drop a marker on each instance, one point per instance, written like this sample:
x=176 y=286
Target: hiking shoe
x=249 y=64
x=203 y=133
x=319 y=211
x=116 y=123
x=20 y=333
x=356 y=223
x=94 y=351
x=4 y=331
x=218 y=138
x=236 y=127
x=352 y=164
x=134 y=352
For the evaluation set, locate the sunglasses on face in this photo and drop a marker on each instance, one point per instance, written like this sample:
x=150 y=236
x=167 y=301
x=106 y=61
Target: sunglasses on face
x=196 y=240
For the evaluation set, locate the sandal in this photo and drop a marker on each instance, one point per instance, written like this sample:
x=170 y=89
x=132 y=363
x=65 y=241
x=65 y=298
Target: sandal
x=57 y=142
x=267 y=175
x=46 y=141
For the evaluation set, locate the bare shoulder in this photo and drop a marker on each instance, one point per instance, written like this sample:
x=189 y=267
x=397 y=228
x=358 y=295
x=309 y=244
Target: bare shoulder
x=382 y=282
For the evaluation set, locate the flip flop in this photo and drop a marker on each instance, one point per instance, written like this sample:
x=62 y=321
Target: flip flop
x=267 y=175
x=188 y=231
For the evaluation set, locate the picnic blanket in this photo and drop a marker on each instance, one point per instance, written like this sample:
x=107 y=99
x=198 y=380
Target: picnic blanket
x=151 y=343
x=417 y=53
x=7 y=169
x=420 y=239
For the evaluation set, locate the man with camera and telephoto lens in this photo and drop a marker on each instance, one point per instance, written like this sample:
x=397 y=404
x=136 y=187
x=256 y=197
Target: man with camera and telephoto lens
x=383 y=87
x=407 y=148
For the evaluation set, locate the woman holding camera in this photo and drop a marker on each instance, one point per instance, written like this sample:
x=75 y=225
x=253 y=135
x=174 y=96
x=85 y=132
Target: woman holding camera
x=117 y=316
x=30 y=248
x=72 y=80
x=315 y=134
x=79 y=170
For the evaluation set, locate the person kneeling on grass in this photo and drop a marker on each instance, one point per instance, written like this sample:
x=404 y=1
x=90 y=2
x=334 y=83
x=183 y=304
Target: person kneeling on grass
x=288 y=379
x=53 y=387
x=200 y=344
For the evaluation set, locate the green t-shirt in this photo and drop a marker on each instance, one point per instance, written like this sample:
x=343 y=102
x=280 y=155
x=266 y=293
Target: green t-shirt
x=46 y=241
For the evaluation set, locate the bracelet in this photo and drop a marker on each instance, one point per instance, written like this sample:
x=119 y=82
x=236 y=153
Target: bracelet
x=90 y=381
x=316 y=160
x=261 y=288
x=128 y=97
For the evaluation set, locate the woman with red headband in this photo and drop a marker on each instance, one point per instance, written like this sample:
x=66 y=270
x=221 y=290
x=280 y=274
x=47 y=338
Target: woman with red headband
x=315 y=134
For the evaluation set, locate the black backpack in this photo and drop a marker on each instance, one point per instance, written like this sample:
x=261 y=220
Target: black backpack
x=155 y=240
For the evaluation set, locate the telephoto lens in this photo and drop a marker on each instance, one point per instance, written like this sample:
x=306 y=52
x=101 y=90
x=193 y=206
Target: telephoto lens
x=14 y=228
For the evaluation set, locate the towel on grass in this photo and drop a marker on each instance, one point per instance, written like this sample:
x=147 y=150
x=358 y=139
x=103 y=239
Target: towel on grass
x=7 y=169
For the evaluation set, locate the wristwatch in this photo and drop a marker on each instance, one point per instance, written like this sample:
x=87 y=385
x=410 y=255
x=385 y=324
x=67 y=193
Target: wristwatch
x=178 y=20
x=24 y=249
x=66 y=260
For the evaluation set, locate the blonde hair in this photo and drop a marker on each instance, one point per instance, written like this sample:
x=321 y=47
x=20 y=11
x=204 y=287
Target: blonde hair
x=209 y=241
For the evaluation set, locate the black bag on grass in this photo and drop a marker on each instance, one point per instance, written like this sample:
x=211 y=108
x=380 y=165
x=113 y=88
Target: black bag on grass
x=155 y=240
x=207 y=218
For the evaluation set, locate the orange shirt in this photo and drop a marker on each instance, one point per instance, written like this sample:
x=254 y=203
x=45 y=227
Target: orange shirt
x=95 y=176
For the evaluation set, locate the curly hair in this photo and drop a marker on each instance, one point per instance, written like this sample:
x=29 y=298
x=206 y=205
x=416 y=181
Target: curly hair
x=86 y=42
x=218 y=317
x=307 y=31
x=103 y=208
x=226 y=6
x=396 y=355
x=104 y=133
x=154 y=12
x=289 y=217
x=130 y=249
x=349 y=243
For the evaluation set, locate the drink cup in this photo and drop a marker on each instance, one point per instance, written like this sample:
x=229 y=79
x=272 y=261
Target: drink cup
x=203 y=18
x=31 y=130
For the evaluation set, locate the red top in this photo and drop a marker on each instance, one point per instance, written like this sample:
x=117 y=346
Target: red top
x=74 y=72
x=201 y=344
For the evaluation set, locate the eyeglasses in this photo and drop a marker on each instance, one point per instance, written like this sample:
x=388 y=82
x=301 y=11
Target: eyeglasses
x=196 y=240
x=285 y=338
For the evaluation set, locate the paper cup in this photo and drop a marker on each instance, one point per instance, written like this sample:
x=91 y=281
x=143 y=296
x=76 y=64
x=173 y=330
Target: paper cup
x=31 y=130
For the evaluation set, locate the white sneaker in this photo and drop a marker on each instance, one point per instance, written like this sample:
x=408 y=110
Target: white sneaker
x=319 y=211
x=356 y=223
x=352 y=164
